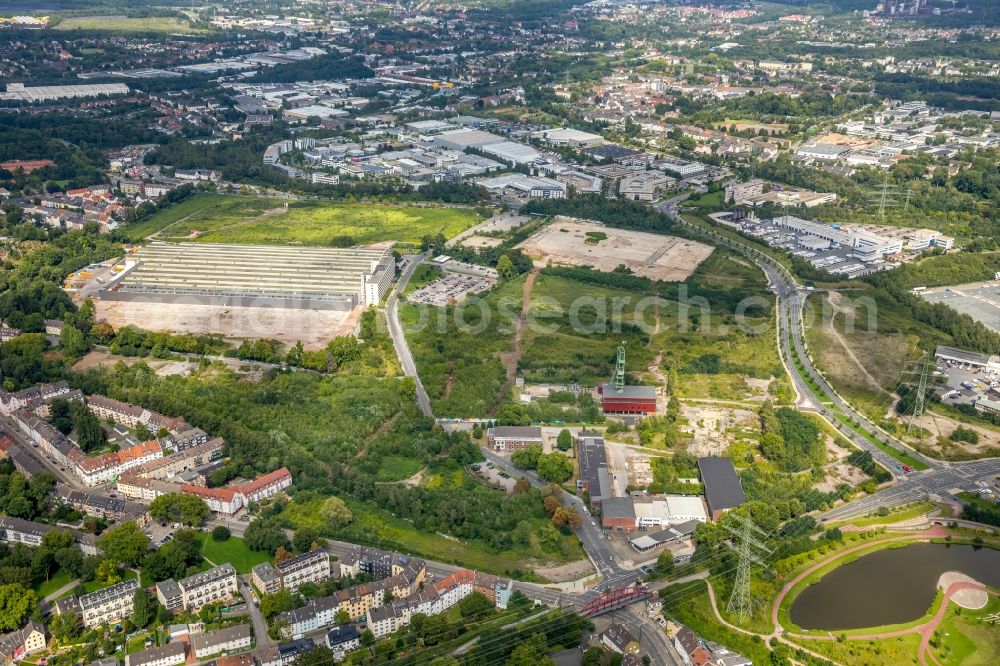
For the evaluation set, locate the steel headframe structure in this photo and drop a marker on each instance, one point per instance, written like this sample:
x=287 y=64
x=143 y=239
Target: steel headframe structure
x=619 y=378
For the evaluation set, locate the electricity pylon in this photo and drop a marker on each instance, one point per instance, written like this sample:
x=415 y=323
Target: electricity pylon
x=923 y=380
x=746 y=545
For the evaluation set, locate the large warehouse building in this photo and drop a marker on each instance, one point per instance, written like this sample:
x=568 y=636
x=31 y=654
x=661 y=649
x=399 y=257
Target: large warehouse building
x=254 y=275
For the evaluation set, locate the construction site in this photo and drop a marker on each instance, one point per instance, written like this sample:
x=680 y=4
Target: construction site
x=582 y=243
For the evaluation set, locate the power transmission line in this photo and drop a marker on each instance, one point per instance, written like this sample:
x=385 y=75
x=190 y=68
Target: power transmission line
x=747 y=546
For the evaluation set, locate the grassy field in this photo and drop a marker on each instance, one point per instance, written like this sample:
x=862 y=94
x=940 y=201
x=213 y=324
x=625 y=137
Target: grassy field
x=232 y=550
x=458 y=350
x=374 y=527
x=51 y=585
x=967 y=639
x=164 y=24
x=896 y=651
x=217 y=218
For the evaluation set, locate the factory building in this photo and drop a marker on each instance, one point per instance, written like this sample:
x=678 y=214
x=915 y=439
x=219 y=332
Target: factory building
x=252 y=275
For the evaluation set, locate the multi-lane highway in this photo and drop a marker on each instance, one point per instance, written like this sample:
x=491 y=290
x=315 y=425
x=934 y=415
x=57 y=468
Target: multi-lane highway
x=940 y=479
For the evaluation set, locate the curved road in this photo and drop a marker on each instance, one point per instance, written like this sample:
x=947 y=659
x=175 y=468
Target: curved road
x=940 y=479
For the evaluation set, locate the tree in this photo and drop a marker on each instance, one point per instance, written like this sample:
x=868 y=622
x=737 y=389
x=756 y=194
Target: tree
x=265 y=534
x=665 y=564
x=280 y=602
x=72 y=341
x=107 y=572
x=179 y=508
x=565 y=440
x=475 y=605
x=527 y=457
x=335 y=512
x=16 y=604
x=221 y=533
x=566 y=516
x=531 y=653
x=306 y=539
x=555 y=467
x=125 y=543
x=89 y=434
x=321 y=656
x=64 y=627
x=70 y=560
x=367 y=637
x=281 y=555
x=341 y=617
x=550 y=504
x=143 y=608
x=505 y=268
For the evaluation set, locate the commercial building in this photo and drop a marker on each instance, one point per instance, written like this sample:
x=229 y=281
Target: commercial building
x=632 y=400
x=664 y=510
x=18 y=91
x=595 y=479
x=521 y=187
x=566 y=136
x=229 y=639
x=740 y=193
x=643 y=186
x=252 y=275
x=510 y=438
x=722 y=487
x=460 y=139
x=827 y=152
x=970 y=358
x=171 y=654
x=108 y=606
x=617 y=514
x=646 y=541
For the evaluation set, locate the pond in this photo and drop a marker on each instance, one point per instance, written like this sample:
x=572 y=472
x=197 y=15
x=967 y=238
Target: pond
x=889 y=586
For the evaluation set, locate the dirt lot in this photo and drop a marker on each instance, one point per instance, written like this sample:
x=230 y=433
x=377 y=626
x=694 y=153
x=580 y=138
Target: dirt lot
x=713 y=429
x=940 y=425
x=481 y=241
x=313 y=327
x=657 y=257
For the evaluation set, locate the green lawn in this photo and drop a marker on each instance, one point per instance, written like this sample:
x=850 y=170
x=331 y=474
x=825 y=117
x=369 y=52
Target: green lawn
x=58 y=580
x=220 y=218
x=164 y=24
x=968 y=640
x=233 y=550
x=397 y=468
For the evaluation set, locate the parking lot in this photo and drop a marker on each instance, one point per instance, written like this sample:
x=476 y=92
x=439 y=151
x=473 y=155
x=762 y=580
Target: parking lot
x=964 y=384
x=452 y=288
x=494 y=476
x=981 y=300
x=834 y=259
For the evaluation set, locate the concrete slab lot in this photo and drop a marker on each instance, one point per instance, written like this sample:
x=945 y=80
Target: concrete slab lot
x=980 y=300
x=652 y=256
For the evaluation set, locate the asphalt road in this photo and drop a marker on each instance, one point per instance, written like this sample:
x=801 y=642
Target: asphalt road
x=941 y=478
x=399 y=339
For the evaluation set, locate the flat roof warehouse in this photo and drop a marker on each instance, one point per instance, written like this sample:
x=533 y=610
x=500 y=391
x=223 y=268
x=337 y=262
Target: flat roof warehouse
x=242 y=275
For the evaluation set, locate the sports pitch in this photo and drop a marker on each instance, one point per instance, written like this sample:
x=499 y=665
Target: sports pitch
x=653 y=256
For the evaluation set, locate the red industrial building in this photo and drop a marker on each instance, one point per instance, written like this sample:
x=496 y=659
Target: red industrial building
x=628 y=399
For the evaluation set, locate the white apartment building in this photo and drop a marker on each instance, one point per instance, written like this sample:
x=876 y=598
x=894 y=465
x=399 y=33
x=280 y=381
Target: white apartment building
x=171 y=654
x=110 y=605
x=311 y=567
x=230 y=639
x=216 y=584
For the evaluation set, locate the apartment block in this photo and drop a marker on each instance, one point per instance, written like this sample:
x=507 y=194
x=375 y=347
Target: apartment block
x=216 y=584
x=265 y=577
x=229 y=639
x=108 y=606
x=311 y=567
x=171 y=654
